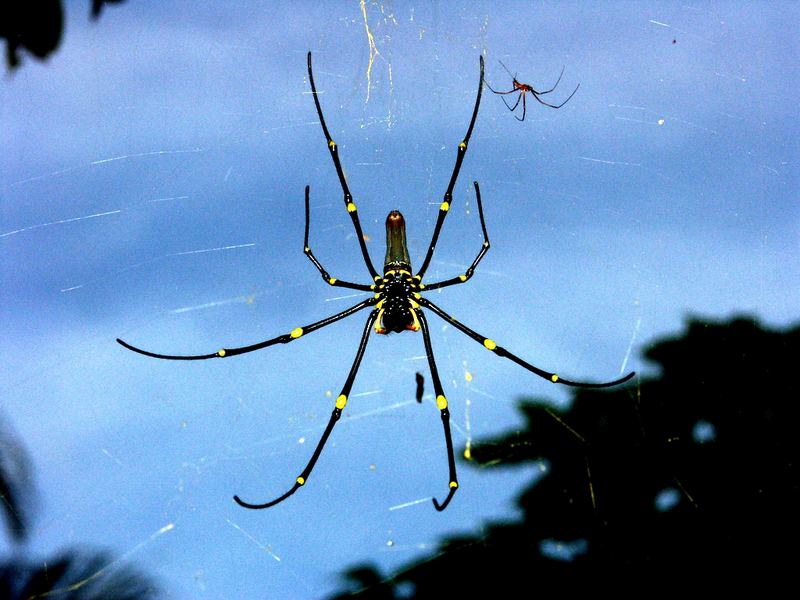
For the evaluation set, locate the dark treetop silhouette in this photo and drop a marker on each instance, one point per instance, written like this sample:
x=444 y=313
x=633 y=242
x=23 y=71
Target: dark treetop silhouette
x=715 y=432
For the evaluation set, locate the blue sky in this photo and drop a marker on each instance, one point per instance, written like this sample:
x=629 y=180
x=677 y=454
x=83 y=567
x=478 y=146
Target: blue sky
x=152 y=189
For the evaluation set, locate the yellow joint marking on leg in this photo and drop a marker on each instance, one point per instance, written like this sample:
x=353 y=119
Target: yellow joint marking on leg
x=415 y=326
x=332 y=280
x=554 y=378
x=377 y=278
x=462 y=277
x=377 y=295
x=417 y=295
x=379 y=323
x=332 y=144
x=441 y=402
x=445 y=206
x=490 y=344
x=296 y=332
x=372 y=287
x=221 y=353
x=453 y=484
x=351 y=207
x=306 y=249
x=341 y=401
x=300 y=481
x=463 y=145
x=422 y=286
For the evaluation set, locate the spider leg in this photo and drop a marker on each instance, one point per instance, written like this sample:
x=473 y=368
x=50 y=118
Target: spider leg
x=348 y=197
x=484 y=248
x=325 y=276
x=441 y=402
x=513 y=108
x=281 y=339
x=524 y=107
x=500 y=351
x=494 y=91
x=540 y=101
x=448 y=196
x=341 y=401
x=555 y=85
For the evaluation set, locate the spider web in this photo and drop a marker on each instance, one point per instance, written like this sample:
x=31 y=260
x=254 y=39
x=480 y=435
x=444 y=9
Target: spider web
x=154 y=192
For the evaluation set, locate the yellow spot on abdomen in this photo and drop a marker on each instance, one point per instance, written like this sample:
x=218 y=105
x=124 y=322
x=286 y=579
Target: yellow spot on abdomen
x=341 y=401
x=490 y=344
x=441 y=402
x=296 y=333
x=351 y=207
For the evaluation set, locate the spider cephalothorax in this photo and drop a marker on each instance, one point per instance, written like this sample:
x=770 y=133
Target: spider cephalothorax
x=398 y=290
x=396 y=304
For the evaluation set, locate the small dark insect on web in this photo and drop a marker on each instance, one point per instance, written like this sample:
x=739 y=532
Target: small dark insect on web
x=524 y=88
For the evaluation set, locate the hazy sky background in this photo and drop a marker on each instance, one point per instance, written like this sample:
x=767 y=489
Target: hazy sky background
x=151 y=182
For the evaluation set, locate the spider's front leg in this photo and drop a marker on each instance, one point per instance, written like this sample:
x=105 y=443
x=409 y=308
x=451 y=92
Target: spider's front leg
x=325 y=276
x=341 y=401
x=444 y=411
x=471 y=270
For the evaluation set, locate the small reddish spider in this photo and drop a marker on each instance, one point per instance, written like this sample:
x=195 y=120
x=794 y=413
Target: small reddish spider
x=524 y=88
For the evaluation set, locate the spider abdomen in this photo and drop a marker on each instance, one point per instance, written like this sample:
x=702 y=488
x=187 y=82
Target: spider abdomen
x=396 y=305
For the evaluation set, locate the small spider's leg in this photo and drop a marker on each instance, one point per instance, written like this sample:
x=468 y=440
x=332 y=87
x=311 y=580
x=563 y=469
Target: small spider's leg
x=325 y=276
x=484 y=248
x=341 y=401
x=513 y=108
x=555 y=85
x=494 y=91
x=448 y=196
x=500 y=351
x=513 y=75
x=281 y=339
x=348 y=197
x=441 y=402
x=540 y=101
x=524 y=108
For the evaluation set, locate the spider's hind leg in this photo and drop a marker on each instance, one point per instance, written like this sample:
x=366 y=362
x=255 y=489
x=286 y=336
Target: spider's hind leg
x=341 y=401
x=441 y=403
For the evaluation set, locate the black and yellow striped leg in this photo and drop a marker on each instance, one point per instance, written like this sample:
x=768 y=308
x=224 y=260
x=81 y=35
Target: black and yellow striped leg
x=325 y=275
x=441 y=402
x=348 y=197
x=484 y=248
x=341 y=401
x=500 y=351
x=294 y=334
x=448 y=196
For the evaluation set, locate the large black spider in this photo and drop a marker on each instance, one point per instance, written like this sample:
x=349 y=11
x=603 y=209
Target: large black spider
x=396 y=301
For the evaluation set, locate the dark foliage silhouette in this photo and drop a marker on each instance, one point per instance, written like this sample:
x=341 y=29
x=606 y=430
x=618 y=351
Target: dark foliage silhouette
x=36 y=26
x=683 y=481
x=84 y=574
